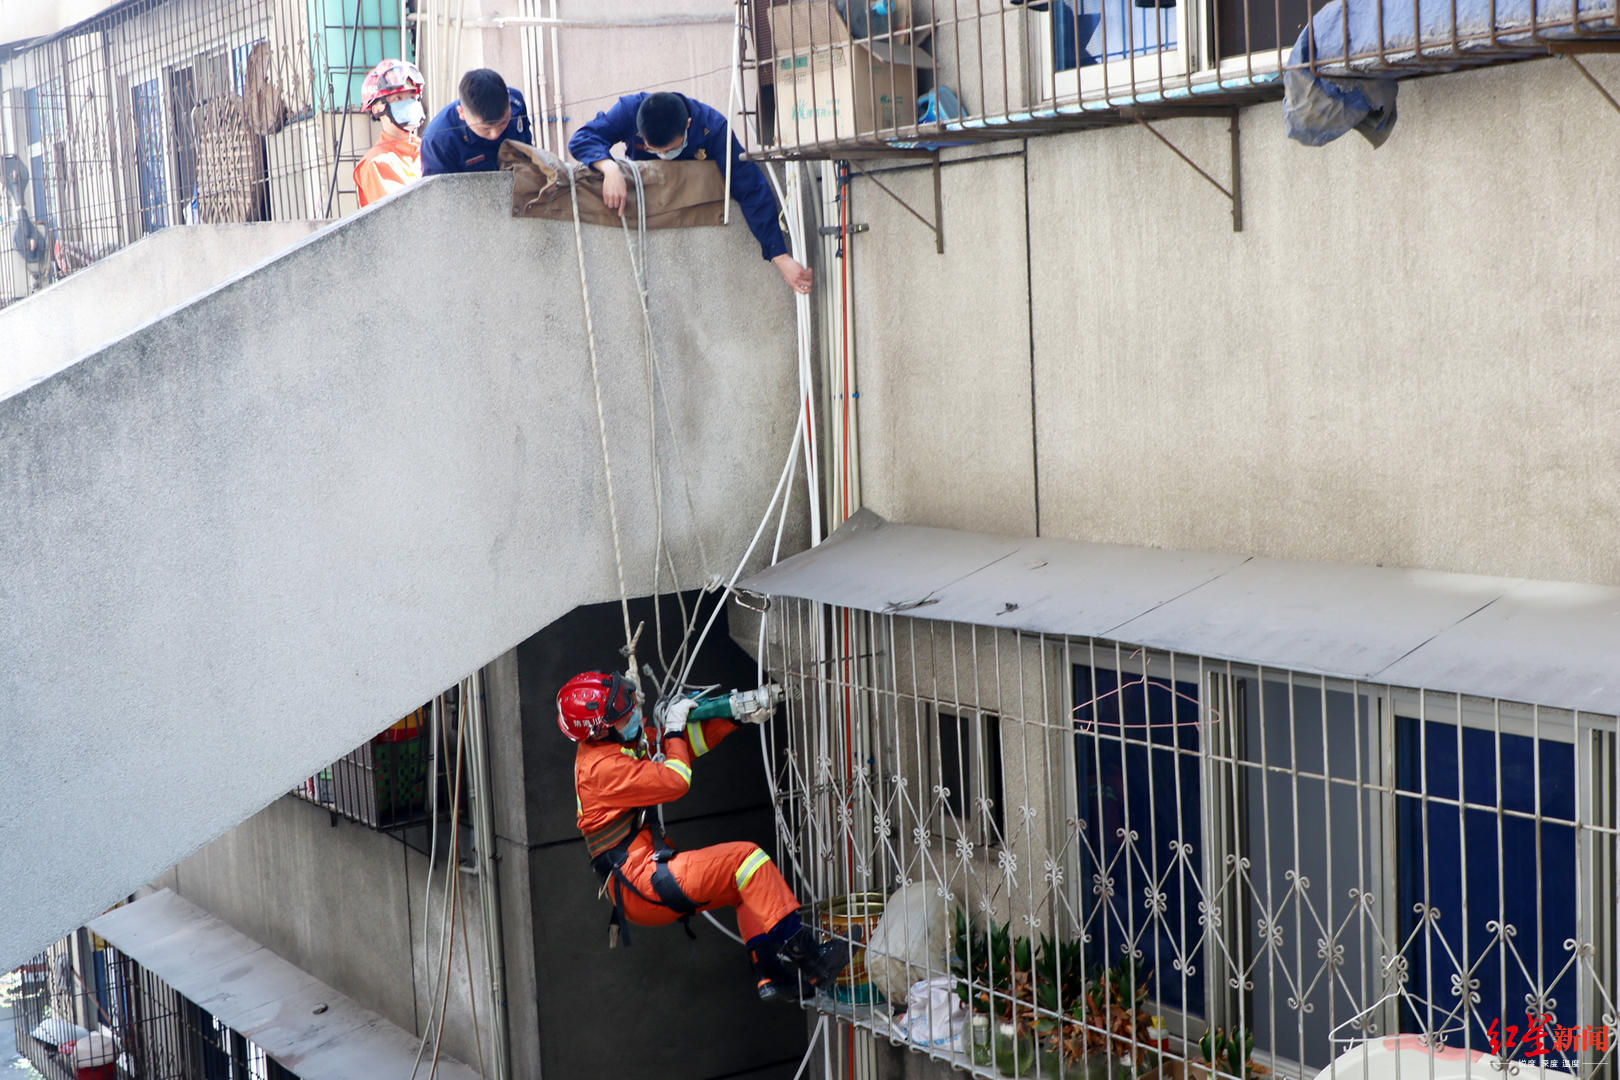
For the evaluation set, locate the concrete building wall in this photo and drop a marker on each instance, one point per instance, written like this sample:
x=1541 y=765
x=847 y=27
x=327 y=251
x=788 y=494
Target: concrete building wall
x=715 y=1024
x=102 y=303
x=348 y=904
x=251 y=534
x=354 y=907
x=1403 y=359
x=32 y=18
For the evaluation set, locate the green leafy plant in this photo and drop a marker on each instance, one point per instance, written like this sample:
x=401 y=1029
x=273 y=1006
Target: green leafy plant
x=1231 y=1053
x=991 y=966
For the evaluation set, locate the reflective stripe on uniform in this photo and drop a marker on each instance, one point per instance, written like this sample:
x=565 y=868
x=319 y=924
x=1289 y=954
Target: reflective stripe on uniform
x=694 y=734
x=681 y=769
x=610 y=835
x=750 y=867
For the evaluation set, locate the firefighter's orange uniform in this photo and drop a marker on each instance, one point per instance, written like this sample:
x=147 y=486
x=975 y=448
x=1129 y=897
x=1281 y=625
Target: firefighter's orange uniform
x=612 y=782
x=388 y=166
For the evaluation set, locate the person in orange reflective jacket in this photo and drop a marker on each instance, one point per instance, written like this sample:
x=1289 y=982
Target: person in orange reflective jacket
x=392 y=93
x=618 y=785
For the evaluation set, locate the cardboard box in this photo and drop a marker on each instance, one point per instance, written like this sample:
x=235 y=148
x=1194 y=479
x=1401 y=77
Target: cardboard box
x=831 y=87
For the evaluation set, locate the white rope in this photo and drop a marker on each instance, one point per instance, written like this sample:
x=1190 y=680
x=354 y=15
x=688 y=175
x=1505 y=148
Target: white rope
x=655 y=392
x=819 y=1033
x=601 y=418
x=718 y=925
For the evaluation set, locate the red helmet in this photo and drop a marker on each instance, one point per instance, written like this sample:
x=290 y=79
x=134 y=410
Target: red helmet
x=390 y=77
x=591 y=702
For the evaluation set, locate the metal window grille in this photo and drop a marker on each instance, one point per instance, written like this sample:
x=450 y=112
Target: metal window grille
x=165 y=112
x=389 y=781
x=82 y=981
x=1192 y=847
x=854 y=78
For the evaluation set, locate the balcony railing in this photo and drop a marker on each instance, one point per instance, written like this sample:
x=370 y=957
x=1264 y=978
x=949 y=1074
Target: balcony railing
x=843 y=78
x=160 y=112
x=398 y=778
x=84 y=995
x=1086 y=859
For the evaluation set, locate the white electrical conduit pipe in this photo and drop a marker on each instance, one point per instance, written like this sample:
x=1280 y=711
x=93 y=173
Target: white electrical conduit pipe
x=451 y=887
x=488 y=896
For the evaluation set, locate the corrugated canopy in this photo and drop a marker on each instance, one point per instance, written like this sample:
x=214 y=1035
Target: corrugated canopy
x=256 y=992
x=1544 y=643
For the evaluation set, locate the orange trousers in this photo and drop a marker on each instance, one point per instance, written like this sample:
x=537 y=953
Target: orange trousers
x=738 y=874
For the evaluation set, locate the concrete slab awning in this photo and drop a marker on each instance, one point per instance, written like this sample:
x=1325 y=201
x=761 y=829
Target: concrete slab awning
x=298 y=1020
x=1542 y=643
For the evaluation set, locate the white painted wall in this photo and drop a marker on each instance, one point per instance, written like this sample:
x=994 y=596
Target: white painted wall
x=105 y=301
x=248 y=536
x=1406 y=358
x=32 y=18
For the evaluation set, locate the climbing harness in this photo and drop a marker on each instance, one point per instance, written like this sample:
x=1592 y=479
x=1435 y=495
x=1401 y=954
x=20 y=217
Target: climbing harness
x=609 y=848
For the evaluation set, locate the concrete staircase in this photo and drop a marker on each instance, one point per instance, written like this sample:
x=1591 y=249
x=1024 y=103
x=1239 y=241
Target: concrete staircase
x=242 y=538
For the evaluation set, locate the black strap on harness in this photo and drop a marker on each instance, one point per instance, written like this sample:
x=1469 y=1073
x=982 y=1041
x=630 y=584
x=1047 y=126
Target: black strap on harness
x=609 y=866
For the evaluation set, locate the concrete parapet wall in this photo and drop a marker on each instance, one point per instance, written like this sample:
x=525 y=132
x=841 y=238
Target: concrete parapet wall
x=248 y=536
x=102 y=303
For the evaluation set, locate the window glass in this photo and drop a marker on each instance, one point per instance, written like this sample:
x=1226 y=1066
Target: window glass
x=970 y=770
x=1500 y=889
x=1310 y=950
x=1086 y=32
x=1141 y=862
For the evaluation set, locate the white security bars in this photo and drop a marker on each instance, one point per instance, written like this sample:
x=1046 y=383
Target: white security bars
x=1163 y=866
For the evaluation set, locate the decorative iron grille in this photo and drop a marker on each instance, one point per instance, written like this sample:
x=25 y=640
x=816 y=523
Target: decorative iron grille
x=83 y=984
x=1201 y=868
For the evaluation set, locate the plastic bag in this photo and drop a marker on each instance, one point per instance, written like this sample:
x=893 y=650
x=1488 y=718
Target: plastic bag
x=934 y=1014
x=911 y=940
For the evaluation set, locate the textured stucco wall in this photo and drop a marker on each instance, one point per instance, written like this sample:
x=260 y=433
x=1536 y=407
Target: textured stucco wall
x=248 y=536
x=1406 y=358
x=346 y=903
x=30 y=18
x=106 y=301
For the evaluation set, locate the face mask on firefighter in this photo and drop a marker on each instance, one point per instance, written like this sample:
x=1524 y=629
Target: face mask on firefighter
x=632 y=727
x=407 y=113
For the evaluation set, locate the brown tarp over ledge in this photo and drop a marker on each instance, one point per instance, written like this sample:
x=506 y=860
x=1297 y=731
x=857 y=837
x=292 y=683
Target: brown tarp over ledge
x=679 y=193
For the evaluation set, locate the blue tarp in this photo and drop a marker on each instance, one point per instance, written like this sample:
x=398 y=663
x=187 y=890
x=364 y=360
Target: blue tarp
x=1356 y=48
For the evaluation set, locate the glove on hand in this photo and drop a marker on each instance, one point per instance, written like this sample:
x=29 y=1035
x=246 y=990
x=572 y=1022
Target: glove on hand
x=675 y=716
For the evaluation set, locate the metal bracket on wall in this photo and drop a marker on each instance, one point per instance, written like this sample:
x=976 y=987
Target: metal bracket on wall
x=1569 y=50
x=1235 y=193
x=937 y=226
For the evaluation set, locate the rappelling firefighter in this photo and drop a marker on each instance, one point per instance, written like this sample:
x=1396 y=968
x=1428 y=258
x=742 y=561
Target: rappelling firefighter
x=619 y=782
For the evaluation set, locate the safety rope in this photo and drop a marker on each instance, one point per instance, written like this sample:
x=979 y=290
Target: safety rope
x=637 y=251
x=601 y=422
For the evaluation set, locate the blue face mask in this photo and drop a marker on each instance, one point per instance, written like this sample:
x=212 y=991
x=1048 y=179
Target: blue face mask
x=632 y=729
x=407 y=113
x=671 y=155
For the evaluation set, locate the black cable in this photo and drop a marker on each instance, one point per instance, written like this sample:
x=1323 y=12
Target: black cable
x=348 y=102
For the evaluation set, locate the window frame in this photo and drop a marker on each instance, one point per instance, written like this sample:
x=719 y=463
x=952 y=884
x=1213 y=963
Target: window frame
x=971 y=826
x=1596 y=745
x=1111 y=78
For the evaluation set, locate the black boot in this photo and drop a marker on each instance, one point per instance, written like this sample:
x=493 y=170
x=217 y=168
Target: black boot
x=774 y=981
x=817 y=962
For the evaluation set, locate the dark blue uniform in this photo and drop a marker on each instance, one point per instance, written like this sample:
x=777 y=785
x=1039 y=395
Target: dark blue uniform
x=706 y=140
x=449 y=145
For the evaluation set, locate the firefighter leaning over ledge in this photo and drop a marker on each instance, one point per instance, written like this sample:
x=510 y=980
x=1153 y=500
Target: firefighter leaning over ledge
x=618 y=785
